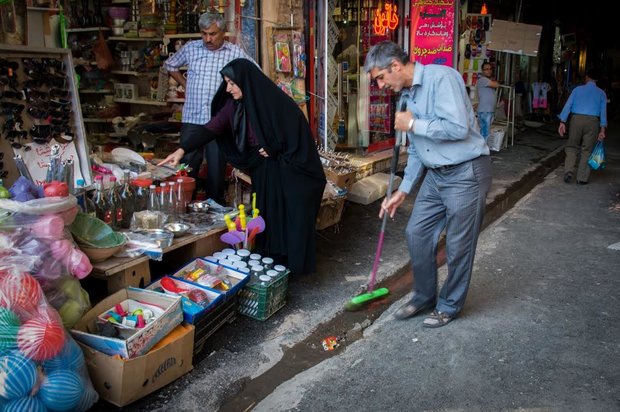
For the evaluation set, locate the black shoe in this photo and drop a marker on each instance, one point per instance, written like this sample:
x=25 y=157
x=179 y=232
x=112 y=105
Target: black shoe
x=579 y=182
x=409 y=310
x=568 y=176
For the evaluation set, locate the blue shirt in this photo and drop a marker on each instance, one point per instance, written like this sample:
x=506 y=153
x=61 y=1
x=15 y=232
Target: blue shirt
x=446 y=130
x=203 y=75
x=588 y=100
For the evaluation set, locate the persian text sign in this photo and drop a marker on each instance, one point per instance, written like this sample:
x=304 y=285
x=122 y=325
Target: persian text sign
x=432 y=31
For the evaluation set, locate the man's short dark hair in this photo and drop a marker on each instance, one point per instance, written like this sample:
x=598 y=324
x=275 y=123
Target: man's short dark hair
x=593 y=73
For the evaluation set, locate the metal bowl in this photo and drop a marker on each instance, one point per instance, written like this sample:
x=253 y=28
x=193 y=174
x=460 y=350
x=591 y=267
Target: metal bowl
x=161 y=237
x=202 y=207
x=177 y=229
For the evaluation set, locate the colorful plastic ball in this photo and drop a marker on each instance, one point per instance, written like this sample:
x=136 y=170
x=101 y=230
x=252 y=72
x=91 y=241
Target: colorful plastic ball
x=61 y=390
x=70 y=358
x=41 y=338
x=9 y=325
x=88 y=399
x=26 y=403
x=20 y=292
x=18 y=374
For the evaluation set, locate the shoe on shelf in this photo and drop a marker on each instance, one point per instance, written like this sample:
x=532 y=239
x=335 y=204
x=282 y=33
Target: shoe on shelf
x=568 y=176
x=410 y=309
x=581 y=182
x=437 y=319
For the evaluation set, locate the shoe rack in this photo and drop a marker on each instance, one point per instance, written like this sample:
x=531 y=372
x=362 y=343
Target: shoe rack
x=474 y=38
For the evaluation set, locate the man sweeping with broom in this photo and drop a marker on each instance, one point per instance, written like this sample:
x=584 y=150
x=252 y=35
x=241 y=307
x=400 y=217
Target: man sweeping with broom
x=443 y=141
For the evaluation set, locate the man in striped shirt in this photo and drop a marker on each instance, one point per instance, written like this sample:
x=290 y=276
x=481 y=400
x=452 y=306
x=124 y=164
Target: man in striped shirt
x=204 y=59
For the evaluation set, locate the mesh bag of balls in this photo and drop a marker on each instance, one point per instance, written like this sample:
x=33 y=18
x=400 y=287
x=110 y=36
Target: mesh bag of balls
x=41 y=367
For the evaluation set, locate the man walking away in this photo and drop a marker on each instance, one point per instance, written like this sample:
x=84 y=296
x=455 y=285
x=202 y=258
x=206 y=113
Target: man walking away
x=587 y=108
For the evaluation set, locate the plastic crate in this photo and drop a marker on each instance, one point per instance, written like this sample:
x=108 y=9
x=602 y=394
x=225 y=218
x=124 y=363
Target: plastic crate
x=261 y=301
x=208 y=324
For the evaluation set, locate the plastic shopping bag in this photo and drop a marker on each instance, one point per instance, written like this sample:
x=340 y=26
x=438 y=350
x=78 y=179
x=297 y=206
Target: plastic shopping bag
x=596 y=161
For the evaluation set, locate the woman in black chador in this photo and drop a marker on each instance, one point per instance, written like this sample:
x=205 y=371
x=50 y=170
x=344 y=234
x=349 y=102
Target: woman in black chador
x=262 y=131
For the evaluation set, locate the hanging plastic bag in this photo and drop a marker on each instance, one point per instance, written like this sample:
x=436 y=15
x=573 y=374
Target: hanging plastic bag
x=103 y=55
x=597 y=161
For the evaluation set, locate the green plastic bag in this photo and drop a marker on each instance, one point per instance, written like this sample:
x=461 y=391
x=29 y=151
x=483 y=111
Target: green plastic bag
x=596 y=161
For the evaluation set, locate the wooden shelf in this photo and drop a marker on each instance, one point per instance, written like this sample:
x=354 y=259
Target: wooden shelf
x=142 y=101
x=176 y=100
x=87 y=29
x=96 y=120
x=123 y=38
x=134 y=73
x=43 y=9
x=93 y=91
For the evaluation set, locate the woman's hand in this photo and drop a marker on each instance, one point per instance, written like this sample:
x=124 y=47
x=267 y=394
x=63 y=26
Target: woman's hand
x=262 y=152
x=173 y=159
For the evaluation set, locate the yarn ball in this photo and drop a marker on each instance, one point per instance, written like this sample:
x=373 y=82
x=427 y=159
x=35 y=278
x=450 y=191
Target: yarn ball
x=41 y=337
x=26 y=403
x=20 y=292
x=70 y=358
x=9 y=325
x=61 y=390
x=18 y=374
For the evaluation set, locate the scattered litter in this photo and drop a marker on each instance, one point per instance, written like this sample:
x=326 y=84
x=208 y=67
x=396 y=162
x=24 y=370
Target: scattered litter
x=615 y=208
x=355 y=278
x=330 y=343
x=615 y=246
x=414 y=340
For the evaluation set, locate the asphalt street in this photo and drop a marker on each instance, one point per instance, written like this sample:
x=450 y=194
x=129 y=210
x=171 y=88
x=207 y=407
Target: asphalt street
x=540 y=330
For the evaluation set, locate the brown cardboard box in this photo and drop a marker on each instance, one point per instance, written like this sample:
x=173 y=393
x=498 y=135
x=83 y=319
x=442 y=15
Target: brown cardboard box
x=123 y=381
x=343 y=180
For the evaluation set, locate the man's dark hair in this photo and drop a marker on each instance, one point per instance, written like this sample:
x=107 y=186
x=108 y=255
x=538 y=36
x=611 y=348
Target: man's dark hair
x=593 y=73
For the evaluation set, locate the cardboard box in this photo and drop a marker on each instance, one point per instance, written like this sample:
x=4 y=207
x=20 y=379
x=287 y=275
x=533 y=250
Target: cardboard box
x=236 y=278
x=330 y=212
x=344 y=180
x=192 y=311
x=140 y=342
x=122 y=382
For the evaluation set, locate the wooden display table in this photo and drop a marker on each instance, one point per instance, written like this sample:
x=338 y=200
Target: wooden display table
x=120 y=272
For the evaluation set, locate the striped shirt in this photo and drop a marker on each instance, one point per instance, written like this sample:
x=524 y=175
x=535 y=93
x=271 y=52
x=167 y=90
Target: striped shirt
x=203 y=75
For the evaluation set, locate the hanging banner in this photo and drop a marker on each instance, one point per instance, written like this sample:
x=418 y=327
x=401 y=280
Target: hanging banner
x=432 y=31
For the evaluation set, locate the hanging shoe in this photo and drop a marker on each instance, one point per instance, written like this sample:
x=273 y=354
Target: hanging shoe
x=467 y=51
x=477 y=36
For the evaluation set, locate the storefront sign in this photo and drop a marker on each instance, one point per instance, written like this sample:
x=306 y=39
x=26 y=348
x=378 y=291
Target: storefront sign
x=386 y=19
x=432 y=31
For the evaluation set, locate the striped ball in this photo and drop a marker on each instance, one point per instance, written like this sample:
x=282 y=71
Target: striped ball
x=61 y=390
x=24 y=404
x=70 y=357
x=18 y=374
x=41 y=338
x=20 y=292
x=88 y=399
x=9 y=325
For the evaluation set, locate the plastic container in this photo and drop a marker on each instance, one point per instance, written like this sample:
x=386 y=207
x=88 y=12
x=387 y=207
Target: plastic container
x=188 y=184
x=260 y=301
